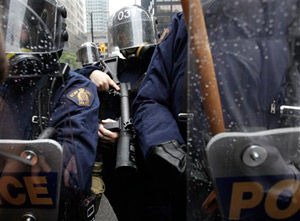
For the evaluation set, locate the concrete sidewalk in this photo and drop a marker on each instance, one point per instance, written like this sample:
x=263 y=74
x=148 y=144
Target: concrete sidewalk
x=105 y=212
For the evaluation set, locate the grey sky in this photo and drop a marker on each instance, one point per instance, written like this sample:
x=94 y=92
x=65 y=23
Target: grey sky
x=115 y=5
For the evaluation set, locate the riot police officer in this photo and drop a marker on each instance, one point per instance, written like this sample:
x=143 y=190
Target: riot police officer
x=131 y=30
x=245 y=46
x=88 y=54
x=157 y=130
x=44 y=93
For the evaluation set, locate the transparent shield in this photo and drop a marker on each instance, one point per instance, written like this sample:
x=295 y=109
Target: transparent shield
x=30 y=180
x=253 y=166
x=28 y=108
x=30 y=26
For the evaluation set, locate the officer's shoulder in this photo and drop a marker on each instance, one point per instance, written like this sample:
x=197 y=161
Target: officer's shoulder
x=176 y=25
x=76 y=79
x=80 y=90
x=178 y=16
x=178 y=21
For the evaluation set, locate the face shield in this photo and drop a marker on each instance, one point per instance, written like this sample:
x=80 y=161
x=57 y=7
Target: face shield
x=131 y=27
x=31 y=29
x=88 y=54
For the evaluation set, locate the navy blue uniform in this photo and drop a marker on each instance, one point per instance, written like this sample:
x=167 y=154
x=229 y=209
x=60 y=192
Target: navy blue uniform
x=158 y=101
x=155 y=119
x=249 y=44
x=246 y=55
x=73 y=117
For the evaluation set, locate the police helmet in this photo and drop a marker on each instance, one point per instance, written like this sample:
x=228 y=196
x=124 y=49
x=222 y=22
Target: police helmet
x=34 y=32
x=88 y=54
x=131 y=29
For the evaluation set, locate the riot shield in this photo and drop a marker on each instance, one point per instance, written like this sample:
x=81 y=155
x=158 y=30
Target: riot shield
x=23 y=116
x=252 y=166
x=42 y=99
x=26 y=111
x=30 y=180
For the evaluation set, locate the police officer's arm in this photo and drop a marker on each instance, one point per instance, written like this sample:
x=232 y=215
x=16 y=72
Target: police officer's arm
x=154 y=115
x=101 y=79
x=76 y=122
x=87 y=70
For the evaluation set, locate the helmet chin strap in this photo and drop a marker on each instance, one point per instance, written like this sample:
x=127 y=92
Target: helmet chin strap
x=129 y=53
x=138 y=51
x=135 y=53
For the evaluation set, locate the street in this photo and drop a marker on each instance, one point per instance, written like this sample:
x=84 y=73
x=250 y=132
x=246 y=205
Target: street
x=105 y=212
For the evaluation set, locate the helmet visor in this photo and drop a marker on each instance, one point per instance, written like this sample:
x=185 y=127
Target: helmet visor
x=88 y=54
x=29 y=26
x=131 y=27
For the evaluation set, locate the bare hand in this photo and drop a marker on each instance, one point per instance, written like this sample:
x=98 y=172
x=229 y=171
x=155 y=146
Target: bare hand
x=103 y=81
x=105 y=135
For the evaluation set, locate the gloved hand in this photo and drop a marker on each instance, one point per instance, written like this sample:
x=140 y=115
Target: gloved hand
x=167 y=161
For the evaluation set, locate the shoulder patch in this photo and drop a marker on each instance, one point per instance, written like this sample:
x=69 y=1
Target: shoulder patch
x=164 y=35
x=81 y=97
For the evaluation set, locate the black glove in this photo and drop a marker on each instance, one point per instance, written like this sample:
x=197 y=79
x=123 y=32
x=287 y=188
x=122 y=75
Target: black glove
x=169 y=157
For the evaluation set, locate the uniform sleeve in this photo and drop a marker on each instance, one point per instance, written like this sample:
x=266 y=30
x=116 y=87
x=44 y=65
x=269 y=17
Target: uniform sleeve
x=76 y=120
x=87 y=70
x=154 y=120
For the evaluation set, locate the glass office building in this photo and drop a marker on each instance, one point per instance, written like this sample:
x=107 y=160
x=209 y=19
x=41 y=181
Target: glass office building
x=76 y=24
x=98 y=9
x=163 y=10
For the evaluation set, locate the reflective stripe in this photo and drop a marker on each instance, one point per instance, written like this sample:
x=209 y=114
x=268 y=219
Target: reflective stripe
x=10 y=55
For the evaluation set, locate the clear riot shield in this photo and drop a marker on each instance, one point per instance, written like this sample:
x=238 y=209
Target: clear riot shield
x=38 y=177
x=30 y=180
x=40 y=93
x=253 y=167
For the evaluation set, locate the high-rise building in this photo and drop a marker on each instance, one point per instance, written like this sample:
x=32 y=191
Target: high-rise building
x=76 y=23
x=97 y=12
x=163 y=10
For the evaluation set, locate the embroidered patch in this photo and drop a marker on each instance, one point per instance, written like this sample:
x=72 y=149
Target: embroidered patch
x=81 y=97
x=164 y=35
